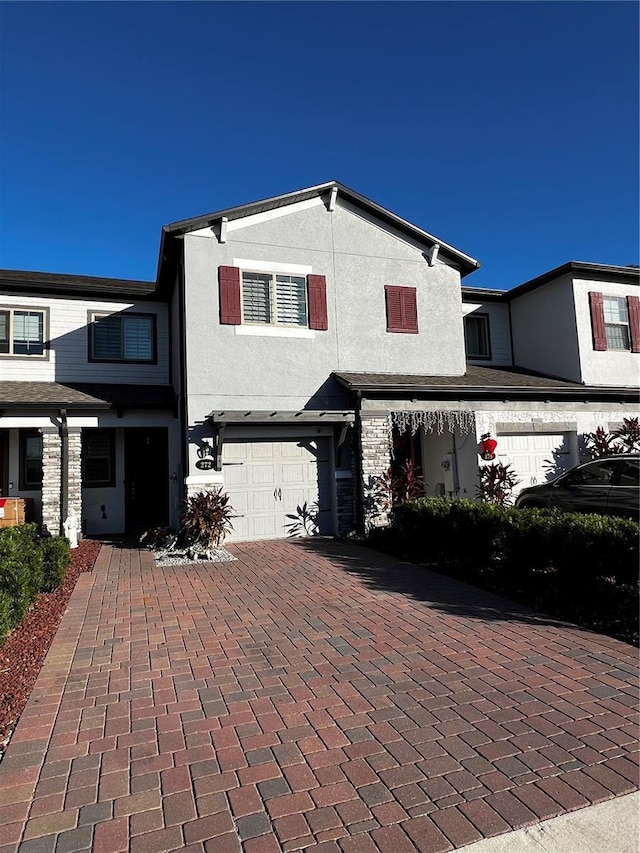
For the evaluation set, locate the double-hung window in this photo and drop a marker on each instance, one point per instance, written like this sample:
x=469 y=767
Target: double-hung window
x=476 y=334
x=22 y=332
x=122 y=337
x=616 y=322
x=274 y=299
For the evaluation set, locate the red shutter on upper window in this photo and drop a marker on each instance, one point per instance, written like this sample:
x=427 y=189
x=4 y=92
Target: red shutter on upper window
x=230 y=312
x=597 y=321
x=317 y=289
x=402 y=309
x=633 y=305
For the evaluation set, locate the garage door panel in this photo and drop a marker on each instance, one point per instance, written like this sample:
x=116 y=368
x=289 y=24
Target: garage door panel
x=259 y=475
x=266 y=480
x=235 y=475
x=535 y=457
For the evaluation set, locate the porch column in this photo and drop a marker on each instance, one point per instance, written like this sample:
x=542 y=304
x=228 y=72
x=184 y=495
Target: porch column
x=51 y=480
x=376 y=460
x=74 y=474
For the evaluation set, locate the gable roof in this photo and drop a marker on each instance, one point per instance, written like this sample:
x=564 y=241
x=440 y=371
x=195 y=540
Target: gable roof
x=579 y=269
x=466 y=262
x=21 y=281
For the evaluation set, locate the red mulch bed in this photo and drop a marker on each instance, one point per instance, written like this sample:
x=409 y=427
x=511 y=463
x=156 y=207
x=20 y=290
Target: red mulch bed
x=23 y=652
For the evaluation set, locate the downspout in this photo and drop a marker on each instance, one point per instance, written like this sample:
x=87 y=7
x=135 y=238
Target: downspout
x=358 y=465
x=64 y=468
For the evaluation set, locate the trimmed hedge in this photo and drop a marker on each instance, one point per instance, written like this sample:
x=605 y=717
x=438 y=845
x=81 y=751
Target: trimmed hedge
x=28 y=565
x=580 y=567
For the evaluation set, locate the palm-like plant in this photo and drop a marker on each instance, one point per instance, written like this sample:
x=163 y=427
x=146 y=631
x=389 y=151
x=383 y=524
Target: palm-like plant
x=206 y=519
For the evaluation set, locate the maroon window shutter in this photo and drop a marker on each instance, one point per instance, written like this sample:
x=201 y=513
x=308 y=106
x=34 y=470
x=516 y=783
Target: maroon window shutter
x=230 y=313
x=633 y=305
x=402 y=309
x=317 y=288
x=597 y=321
x=409 y=310
x=394 y=308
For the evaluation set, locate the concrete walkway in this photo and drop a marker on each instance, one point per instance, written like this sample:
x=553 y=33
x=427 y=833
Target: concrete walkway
x=312 y=695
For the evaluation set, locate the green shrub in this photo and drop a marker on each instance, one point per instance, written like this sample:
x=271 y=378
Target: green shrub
x=21 y=568
x=56 y=553
x=580 y=567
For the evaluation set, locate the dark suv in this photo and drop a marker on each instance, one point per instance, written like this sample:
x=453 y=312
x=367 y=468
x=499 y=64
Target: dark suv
x=607 y=485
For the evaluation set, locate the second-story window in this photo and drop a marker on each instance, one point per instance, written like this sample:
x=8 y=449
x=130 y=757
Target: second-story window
x=122 y=337
x=616 y=322
x=476 y=335
x=22 y=332
x=274 y=299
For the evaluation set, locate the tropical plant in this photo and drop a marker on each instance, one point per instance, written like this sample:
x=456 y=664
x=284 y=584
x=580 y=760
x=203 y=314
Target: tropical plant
x=394 y=487
x=407 y=483
x=627 y=437
x=497 y=482
x=304 y=522
x=599 y=443
x=206 y=519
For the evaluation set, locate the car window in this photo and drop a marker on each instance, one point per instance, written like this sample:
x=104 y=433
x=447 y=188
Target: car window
x=630 y=474
x=597 y=474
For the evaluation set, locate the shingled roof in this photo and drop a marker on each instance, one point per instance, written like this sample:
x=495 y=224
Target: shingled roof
x=57 y=395
x=490 y=382
x=20 y=281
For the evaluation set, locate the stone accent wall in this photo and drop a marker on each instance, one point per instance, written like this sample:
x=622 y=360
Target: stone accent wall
x=74 y=467
x=345 y=499
x=51 y=480
x=376 y=459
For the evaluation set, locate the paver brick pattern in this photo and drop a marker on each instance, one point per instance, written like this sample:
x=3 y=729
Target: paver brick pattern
x=310 y=694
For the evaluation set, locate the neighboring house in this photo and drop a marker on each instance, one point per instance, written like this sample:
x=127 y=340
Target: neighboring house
x=311 y=312
x=290 y=352
x=88 y=424
x=578 y=323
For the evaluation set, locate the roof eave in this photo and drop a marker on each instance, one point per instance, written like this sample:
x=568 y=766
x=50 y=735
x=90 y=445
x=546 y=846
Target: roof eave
x=466 y=262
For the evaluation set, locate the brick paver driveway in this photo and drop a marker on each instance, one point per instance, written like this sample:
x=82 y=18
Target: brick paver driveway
x=309 y=694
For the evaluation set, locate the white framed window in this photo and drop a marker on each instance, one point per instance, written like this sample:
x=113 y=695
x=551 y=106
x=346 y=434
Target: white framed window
x=22 y=332
x=274 y=299
x=616 y=322
x=476 y=335
x=122 y=337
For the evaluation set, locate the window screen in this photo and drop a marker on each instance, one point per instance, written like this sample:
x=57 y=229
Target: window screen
x=291 y=300
x=476 y=330
x=256 y=298
x=98 y=451
x=616 y=322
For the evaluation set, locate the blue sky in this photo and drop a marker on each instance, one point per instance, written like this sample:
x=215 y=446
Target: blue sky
x=507 y=129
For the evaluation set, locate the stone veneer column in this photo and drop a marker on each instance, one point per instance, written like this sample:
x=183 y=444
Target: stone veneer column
x=376 y=459
x=51 y=480
x=74 y=469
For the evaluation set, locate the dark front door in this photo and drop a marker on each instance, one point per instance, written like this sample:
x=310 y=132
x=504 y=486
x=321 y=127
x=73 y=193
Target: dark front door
x=146 y=478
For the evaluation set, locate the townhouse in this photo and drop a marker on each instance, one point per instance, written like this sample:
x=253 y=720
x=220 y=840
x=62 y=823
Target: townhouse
x=88 y=425
x=290 y=351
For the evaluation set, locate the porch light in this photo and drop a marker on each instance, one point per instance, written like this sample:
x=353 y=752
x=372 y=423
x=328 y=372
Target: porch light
x=488 y=447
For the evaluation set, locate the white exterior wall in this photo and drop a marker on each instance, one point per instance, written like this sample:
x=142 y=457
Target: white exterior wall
x=67 y=359
x=545 y=337
x=603 y=368
x=499 y=335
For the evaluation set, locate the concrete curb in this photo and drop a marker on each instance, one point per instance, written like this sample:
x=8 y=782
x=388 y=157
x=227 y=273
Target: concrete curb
x=610 y=827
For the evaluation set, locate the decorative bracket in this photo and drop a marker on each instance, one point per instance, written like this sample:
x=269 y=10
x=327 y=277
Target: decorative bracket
x=332 y=199
x=432 y=254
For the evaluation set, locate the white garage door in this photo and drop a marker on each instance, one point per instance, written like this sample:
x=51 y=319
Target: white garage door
x=535 y=457
x=267 y=480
